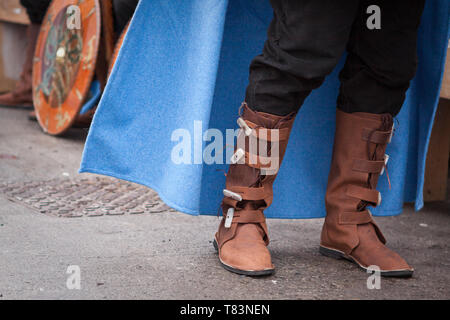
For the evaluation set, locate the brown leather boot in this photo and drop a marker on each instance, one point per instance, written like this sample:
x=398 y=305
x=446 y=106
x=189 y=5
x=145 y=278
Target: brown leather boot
x=22 y=96
x=242 y=237
x=359 y=159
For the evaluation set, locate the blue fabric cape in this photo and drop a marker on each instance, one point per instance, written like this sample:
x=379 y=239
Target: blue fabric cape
x=187 y=61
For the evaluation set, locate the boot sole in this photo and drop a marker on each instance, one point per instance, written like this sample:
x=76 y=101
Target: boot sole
x=339 y=255
x=259 y=273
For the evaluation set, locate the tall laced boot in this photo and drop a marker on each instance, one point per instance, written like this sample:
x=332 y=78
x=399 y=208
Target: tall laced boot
x=21 y=95
x=359 y=159
x=242 y=237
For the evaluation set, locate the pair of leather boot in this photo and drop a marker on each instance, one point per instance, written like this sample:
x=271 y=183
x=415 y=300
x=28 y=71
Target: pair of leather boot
x=349 y=231
x=21 y=95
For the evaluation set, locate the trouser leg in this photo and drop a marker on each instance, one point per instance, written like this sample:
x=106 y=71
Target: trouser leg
x=305 y=41
x=381 y=62
x=36 y=9
x=123 y=11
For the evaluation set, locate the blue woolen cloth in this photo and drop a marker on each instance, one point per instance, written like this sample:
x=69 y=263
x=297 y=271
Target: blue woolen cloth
x=94 y=97
x=187 y=61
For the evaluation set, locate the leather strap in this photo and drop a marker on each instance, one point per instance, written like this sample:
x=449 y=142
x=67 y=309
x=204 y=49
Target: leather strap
x=259 y=162
x=231 y=202
x=368 y=166
x=250 y=193
x=369 y=195
x=283 y=133
x=247 y=193
x=355 y=217
x=249 y=216
x=378 y=137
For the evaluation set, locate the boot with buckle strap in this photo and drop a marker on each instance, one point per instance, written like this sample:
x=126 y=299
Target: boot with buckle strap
x=359 y=159
x=242 y=238
x=21 y=95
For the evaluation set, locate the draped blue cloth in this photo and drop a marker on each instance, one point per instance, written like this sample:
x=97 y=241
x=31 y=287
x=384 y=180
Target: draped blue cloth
x=187 y=61
x=94 y=96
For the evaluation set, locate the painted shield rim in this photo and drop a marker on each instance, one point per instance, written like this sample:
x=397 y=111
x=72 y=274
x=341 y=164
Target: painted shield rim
x=42 y=39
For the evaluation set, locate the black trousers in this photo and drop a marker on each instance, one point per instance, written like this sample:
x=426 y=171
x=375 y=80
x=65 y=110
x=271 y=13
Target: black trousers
x=36 y=9
x=123 y=11
x=307 y=38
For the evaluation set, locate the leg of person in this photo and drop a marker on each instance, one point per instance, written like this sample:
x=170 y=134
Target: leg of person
x=36 y=9
x=22 y=94
x=305 y=42
x=123 y=11
x=379 y=68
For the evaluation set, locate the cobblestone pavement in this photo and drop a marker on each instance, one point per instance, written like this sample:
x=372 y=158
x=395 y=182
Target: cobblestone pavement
x=129 y=245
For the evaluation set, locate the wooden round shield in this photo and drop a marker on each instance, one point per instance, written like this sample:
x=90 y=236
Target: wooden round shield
x=64 y=62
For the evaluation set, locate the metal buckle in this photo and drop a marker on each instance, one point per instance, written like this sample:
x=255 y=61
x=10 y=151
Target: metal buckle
x=229 y=218
x=247 y=130
x=232 y=195
x=237 y=156
x=386 y=159
x=392 y=133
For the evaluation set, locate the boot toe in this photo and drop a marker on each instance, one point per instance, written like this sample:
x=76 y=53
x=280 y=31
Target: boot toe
x=246 y=257
x=387 y=261
x=392 y=261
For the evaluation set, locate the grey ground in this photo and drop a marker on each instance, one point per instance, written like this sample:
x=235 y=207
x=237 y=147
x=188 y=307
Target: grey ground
x=170 y=255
